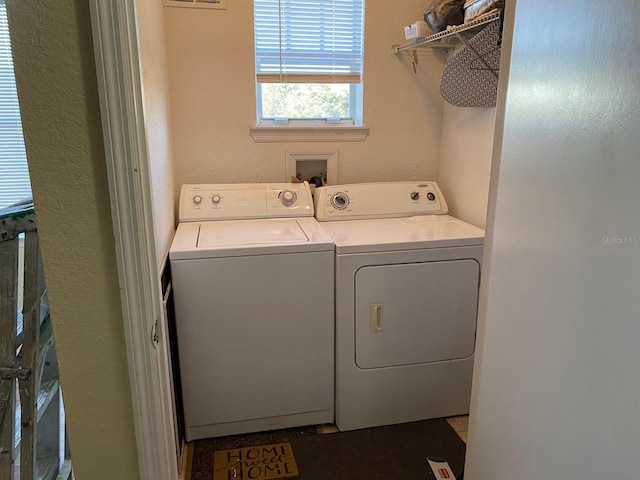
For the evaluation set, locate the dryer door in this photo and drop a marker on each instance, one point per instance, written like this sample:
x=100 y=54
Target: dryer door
x=415 y=313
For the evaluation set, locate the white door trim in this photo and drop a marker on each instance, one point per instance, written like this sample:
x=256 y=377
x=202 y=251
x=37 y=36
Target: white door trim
x=120 y=89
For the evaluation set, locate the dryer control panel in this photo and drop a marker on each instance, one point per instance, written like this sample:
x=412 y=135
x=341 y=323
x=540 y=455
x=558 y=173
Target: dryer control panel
x=236 y=201
x=378 y=200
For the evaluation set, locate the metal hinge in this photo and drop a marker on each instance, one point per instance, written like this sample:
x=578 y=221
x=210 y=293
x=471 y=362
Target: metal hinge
x=155 y=335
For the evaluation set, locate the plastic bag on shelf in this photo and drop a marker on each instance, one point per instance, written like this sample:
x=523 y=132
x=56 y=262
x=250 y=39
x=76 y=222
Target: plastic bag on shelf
x=475 y=8
x=442 y=13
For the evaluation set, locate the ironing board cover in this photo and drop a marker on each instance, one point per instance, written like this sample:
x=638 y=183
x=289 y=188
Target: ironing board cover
x=465 y=81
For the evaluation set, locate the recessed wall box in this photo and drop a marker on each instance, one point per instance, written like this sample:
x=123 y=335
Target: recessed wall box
x=308 y=166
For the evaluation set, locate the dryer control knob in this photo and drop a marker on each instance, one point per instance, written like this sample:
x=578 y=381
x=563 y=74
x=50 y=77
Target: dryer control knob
x=415 y=196
x=216 y=199
x=197 y=199
x=431 y=196
x=340 y=201
x=287 y=197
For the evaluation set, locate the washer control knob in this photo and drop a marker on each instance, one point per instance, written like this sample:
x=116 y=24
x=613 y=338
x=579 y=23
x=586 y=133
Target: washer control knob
x=340 y=201
x=197 y=199
x=216 y=199
x=287 y=197
x=431 y=196
x=415 y=196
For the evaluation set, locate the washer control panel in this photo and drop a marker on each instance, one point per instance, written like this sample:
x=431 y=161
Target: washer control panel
x=378 y=200
x=244 y=200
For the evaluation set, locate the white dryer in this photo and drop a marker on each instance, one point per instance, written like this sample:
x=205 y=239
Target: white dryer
x=407 y=279
x=253 y=283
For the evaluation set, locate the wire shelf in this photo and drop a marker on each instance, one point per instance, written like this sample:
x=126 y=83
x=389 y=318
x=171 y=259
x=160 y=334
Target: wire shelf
x=452 y=36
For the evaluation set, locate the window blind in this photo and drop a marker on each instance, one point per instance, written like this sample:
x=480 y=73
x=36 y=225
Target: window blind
x=308 y=41
x=14 y=174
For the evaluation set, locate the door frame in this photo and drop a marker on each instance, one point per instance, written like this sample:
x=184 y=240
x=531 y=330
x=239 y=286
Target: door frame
x=115 y=39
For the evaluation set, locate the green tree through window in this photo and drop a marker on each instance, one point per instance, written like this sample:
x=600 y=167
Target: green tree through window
x=303 y=100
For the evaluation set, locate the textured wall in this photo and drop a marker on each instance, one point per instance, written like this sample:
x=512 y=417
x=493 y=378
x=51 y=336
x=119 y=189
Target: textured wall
x=465 y=161
x=55 y=73
x=153 y=59
x=556 y=381
x=212 y=95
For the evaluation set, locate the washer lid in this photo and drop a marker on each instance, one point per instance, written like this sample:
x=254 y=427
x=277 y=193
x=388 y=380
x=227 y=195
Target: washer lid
x=409 y=233
x=228 y=238
x=222 y=234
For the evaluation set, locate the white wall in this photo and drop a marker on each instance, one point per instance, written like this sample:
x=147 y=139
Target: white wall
x=465 y=161
x=556 y=383
x=212 y=95
x=155 y=89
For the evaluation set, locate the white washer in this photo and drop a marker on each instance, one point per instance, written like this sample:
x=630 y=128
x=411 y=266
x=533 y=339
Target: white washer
x=407 y=278
x=253 y=283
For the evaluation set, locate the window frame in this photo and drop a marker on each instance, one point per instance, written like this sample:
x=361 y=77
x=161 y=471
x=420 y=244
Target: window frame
x=215 y=5
x=356 y=92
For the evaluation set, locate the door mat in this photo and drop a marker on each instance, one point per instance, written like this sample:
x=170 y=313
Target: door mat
x=395 y=452
x=262 y=462
x=201 y=460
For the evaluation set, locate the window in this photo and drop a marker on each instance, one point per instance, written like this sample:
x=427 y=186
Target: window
x=15 y=185
x=219 y=4
x=309 y=62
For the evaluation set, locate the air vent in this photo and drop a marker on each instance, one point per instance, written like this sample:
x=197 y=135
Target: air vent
x=218 y=4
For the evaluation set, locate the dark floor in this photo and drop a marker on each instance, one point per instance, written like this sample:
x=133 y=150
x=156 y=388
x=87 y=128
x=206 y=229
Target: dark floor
x=387 y=453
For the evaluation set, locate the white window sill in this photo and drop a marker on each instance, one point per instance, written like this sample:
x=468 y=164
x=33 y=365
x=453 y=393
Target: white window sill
x=308 y=134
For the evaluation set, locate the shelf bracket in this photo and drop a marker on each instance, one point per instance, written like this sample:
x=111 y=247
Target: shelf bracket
x=414 y=61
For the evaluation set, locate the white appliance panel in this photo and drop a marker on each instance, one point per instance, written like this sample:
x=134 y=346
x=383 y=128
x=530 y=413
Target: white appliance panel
x=376 y=235
x=263 y=236
x=378 y=200
x=407 y=280
x=403 y=393
x=254 y=303
x=255 y=338
x=415 y=313
x=224 y=234
x=244 y=200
